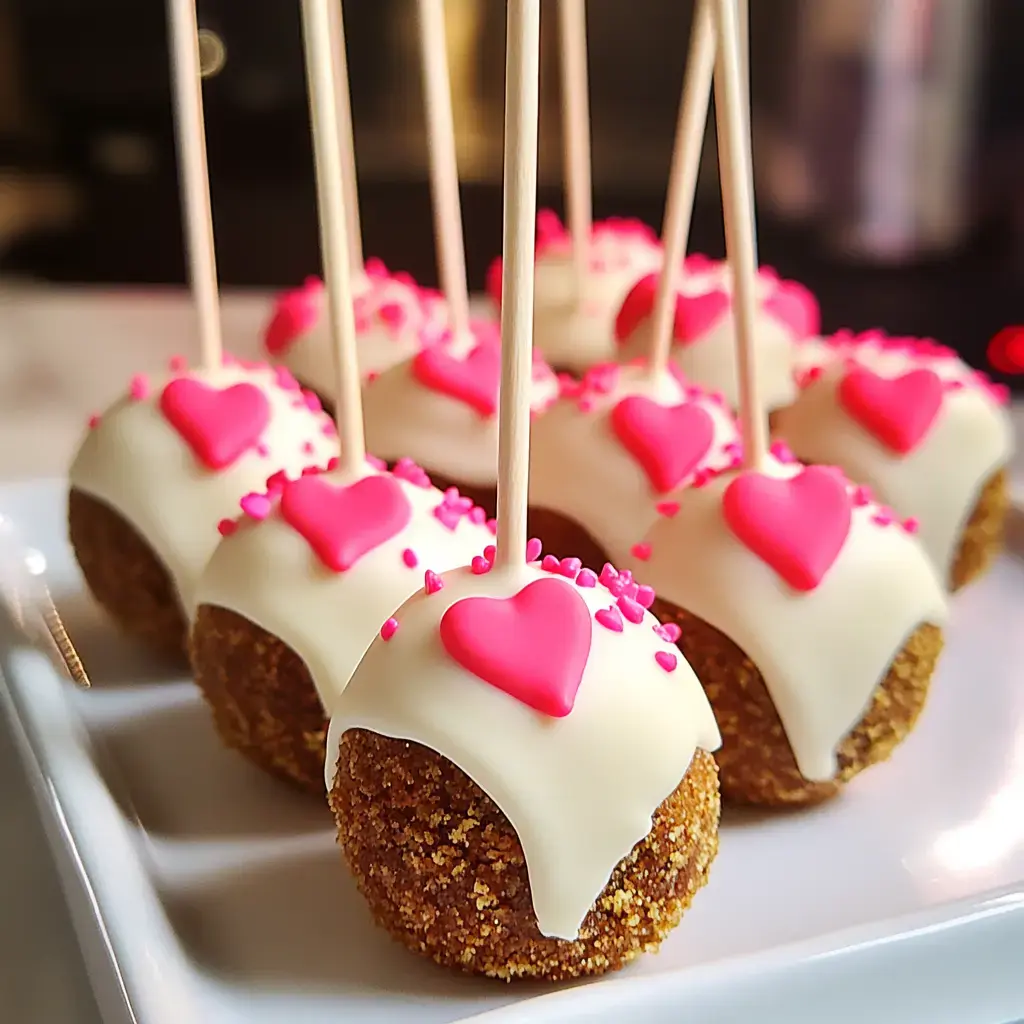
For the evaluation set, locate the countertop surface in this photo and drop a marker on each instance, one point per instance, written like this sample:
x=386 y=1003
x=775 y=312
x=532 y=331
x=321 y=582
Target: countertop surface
x=64 y=354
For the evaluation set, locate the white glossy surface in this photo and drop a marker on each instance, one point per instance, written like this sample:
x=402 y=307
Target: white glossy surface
x=903 y=901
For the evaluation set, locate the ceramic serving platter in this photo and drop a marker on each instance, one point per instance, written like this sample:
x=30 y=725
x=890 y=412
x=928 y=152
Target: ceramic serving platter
x=204 y=892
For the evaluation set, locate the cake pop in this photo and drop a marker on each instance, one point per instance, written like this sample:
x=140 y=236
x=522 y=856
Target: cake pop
x=810 y=614
x=167 y=462
x=521 y=774
x=908 y=419
x=607 y=457
x=298 y=588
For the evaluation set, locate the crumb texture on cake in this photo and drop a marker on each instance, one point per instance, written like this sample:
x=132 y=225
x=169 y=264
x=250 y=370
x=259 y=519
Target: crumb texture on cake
x=443 y=870
x=263 y=699
x=756 y=762
x=125 y=575
x=983 y=534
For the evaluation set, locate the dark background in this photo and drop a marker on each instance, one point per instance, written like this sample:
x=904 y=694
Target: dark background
x=88 y=105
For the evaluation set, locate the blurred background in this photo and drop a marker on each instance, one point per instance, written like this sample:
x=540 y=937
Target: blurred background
x=889 y=145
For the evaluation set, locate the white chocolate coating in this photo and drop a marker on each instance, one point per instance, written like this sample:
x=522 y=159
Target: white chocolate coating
x=136 y=462
x=268 y=573
x=939 y=482
x=579 y=467
x=394 y=320
x=710 y=359
x=575 y=335
x=579 y=791
x=822 y=652
x=405 y=418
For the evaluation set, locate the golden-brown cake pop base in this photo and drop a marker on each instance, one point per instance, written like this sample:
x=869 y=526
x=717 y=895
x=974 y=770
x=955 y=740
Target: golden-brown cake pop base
x=125 y=576
x=755 y=760
x=983 y=535
x=262 y=697
x=444 y=874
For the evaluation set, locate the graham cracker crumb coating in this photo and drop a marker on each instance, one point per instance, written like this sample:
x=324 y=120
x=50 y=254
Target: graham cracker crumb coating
x=262 y=697
x=125 y=576
x=755 y=760
x=983 y=535
x=444 y=874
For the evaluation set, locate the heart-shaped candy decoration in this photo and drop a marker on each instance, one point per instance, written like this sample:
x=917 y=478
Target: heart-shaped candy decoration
x=218 y=425
x=667 y=440
x=798 y=526
x=697 y=314
x=473 y=380
x=295 y=313
x=341 y=524
x=533 y=646
x=796 y=307
x=899 y=411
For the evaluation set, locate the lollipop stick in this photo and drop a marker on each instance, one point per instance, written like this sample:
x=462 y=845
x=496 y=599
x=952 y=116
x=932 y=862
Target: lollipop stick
x=334 y=239
x=738 y=210
x=743 y=17
x=444 y=175
x=343 y=105
x=572 y=20
x=194 y=176
x=682 y=186
x=522 y=82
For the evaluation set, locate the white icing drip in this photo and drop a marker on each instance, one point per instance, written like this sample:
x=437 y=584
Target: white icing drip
x=136 y=462
x=710 y=360
x=579 y=791
x=380 y=344
x=821 y=653
x=939 y=482
x=444 y=435
x=575 y=335
x=579 y=468
x=268 y=573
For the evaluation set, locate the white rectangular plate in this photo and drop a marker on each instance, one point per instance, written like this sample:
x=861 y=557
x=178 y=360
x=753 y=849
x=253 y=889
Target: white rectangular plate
x=205 y=892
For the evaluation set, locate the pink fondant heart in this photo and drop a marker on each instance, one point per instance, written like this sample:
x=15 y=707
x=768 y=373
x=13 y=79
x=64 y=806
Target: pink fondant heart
x=219 y=426
x=797 y=526
x=899 y=411
x=473 y=380
x=533 y=646
x=697 y=314
x=341 y=524
x=295 y=313
x=796 y=307
x=667 y=440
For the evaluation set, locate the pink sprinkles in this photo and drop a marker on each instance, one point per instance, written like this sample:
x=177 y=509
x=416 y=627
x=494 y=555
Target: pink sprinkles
x=641 y=551
x=432 y=583
x=389 y=629
x=666 y=660
x=609 y=618
x=409 y=558
x=668 y=631
x=256 y=506
x=139 y=388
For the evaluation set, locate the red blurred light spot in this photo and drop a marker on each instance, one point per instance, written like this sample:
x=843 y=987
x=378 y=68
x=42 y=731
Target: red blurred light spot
x=1006 y=351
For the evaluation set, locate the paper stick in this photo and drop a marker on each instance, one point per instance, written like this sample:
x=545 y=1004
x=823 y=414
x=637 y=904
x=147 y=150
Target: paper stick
x=572 y=19
x=743 y=27
x=682 y=186
x=334 y=239
x=522 y=85
x=736 y=173
x=444 y=174
x=343 y=106
x=194 y=177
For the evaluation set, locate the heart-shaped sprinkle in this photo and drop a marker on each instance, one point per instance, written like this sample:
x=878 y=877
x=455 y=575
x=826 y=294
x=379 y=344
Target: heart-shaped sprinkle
x=341 y=524
x=797 y=526
x=632 y=611
x=667 y=440
x=473 y=380
x=666 y=660
x=432 y=583
x=641 y=551
x=533 y=549
x=533 y=646
x=898 y=411
x=609 y=618
x=668 y=631
x=668 y=509
x=586 y=579
x=218 y=425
